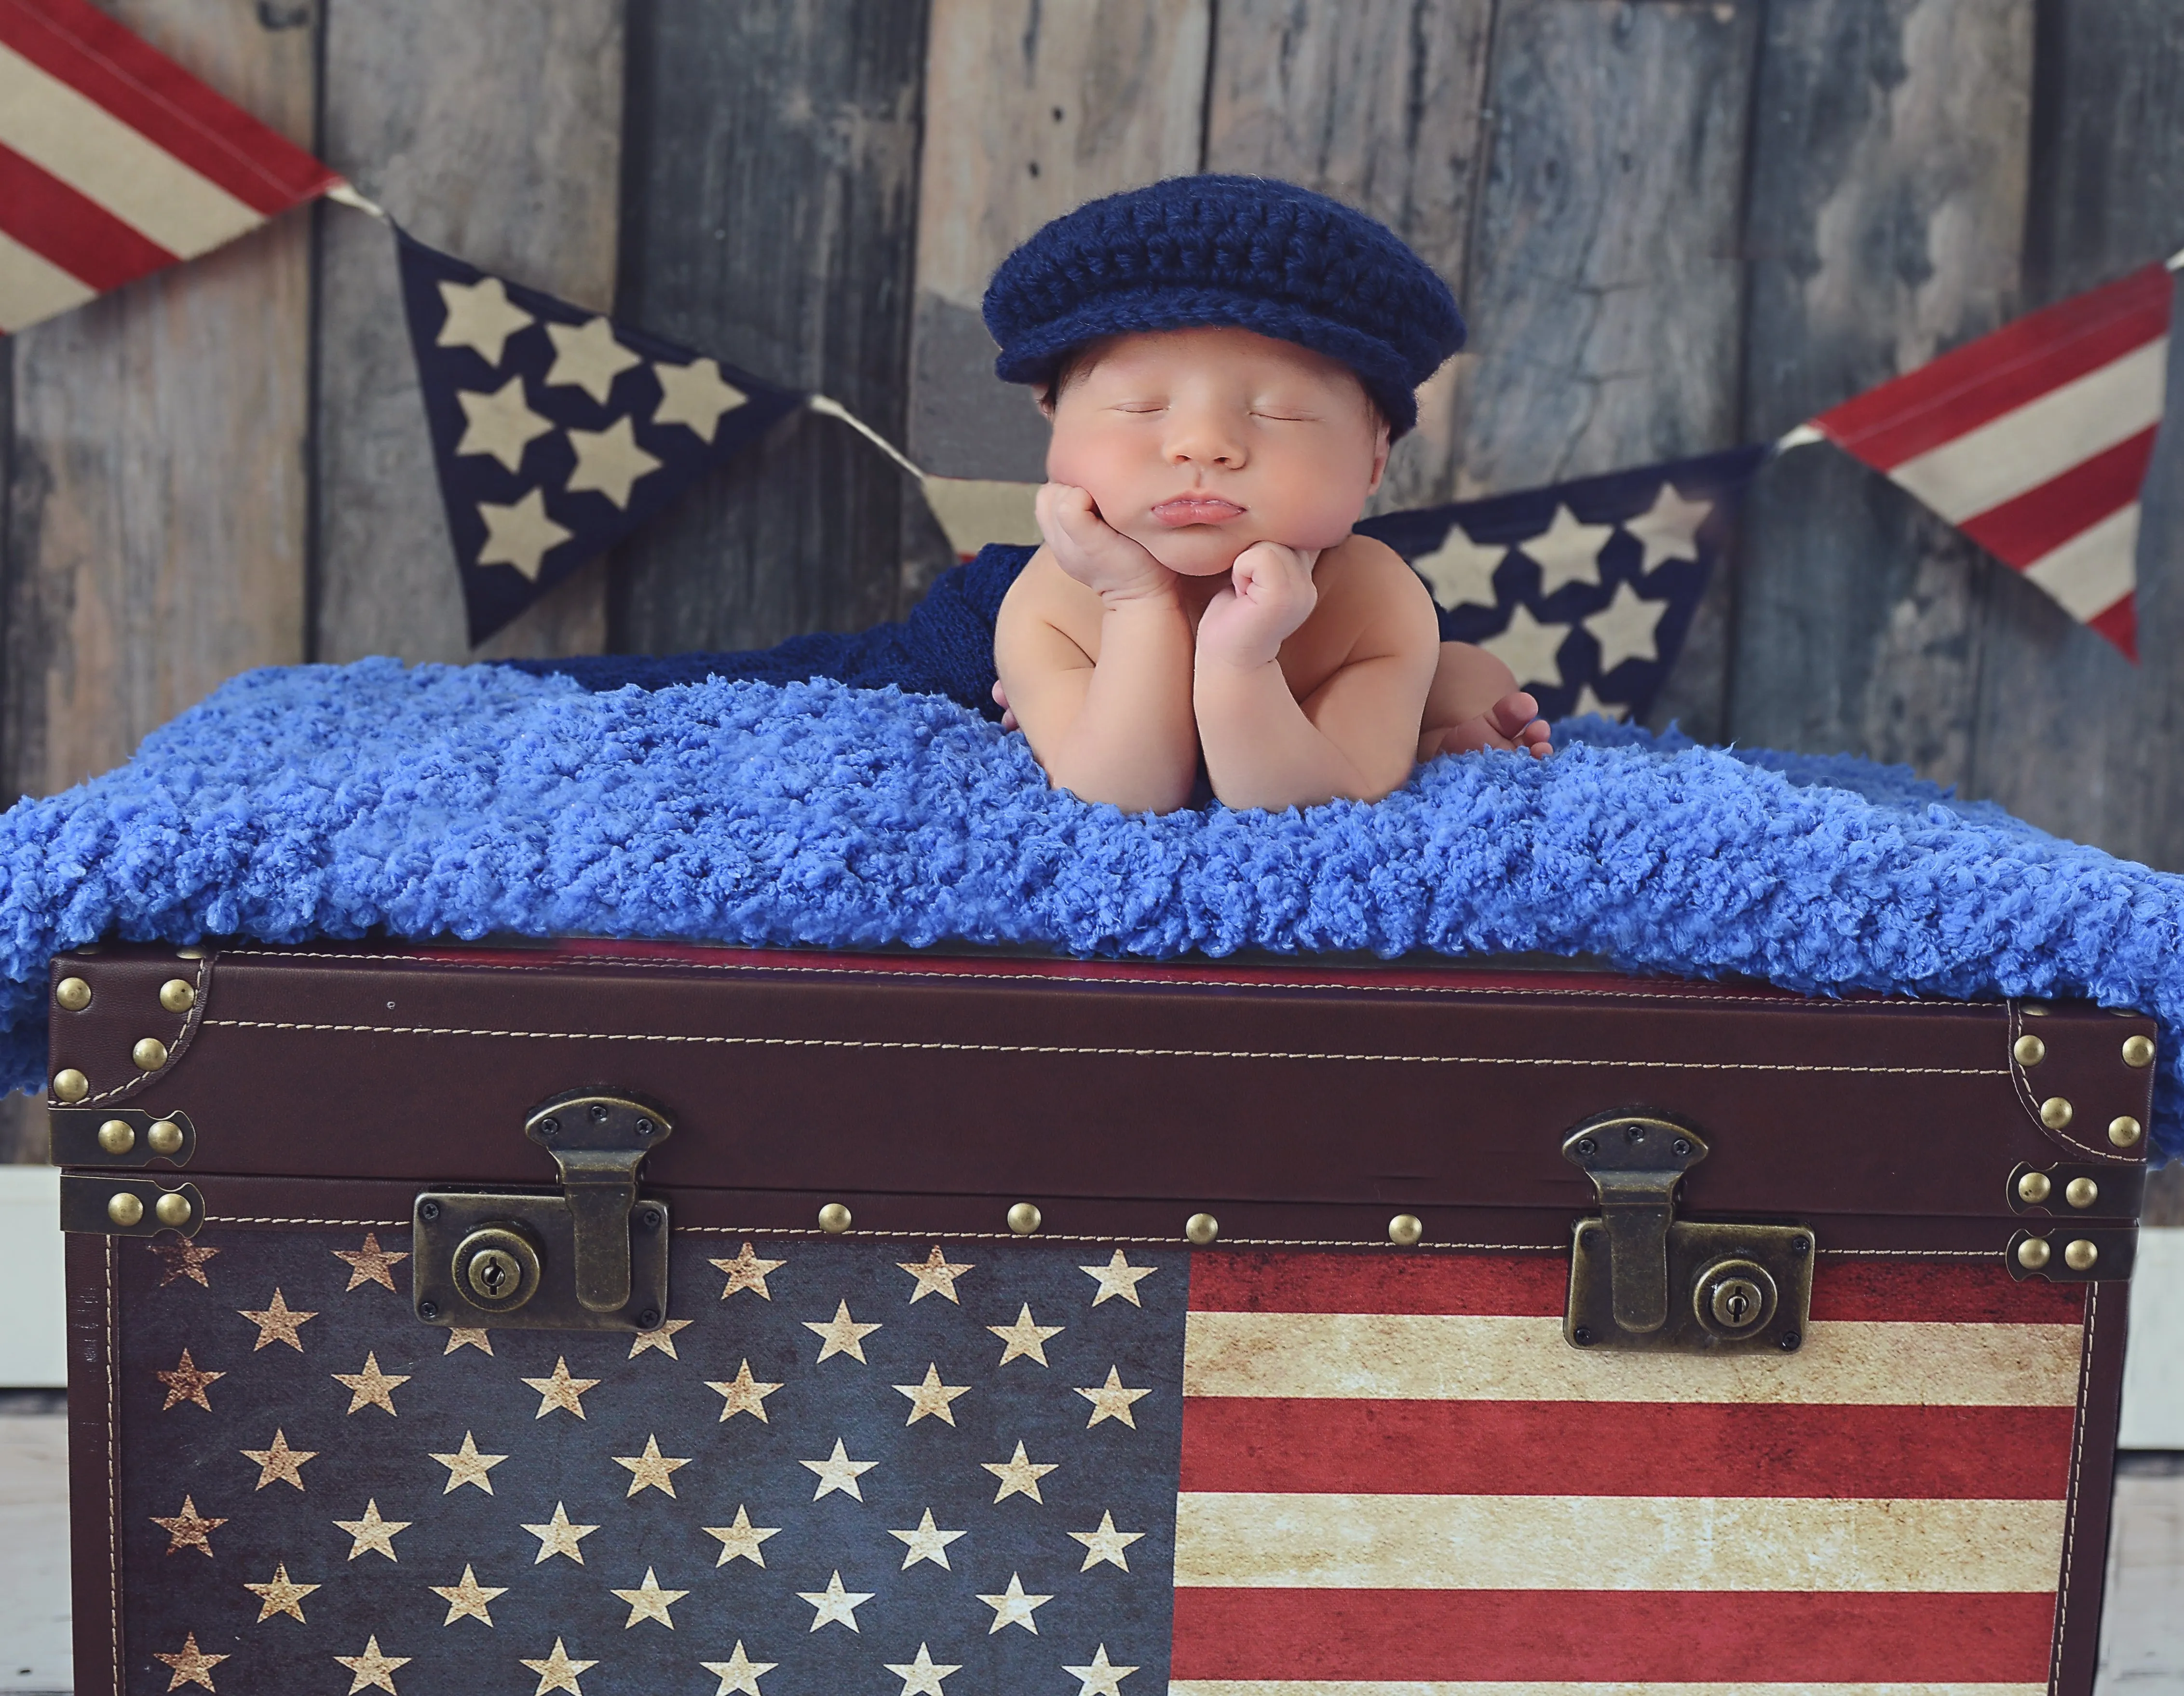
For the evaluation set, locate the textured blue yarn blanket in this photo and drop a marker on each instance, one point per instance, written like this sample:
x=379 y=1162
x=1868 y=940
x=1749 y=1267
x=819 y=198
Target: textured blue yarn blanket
x=333 y=802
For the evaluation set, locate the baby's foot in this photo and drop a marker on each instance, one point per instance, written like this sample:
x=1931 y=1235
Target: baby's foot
x=1512 y=723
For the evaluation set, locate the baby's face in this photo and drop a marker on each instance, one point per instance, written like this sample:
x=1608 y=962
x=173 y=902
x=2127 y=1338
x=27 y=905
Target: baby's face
x=1197 y=443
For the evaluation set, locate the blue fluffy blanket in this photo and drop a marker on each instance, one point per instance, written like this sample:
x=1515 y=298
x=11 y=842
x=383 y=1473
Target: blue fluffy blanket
x=325 y=801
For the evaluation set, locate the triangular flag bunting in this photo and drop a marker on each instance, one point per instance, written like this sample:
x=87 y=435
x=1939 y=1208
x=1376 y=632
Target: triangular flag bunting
x=115 y=162
x=1586 y=589
x=558 y=432
x=2034 y=440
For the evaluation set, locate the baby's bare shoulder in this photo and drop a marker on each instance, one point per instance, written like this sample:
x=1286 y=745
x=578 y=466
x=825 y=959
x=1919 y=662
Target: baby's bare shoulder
x=1366 y=586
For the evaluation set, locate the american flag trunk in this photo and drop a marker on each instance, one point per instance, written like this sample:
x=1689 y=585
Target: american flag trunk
x=990 y=1324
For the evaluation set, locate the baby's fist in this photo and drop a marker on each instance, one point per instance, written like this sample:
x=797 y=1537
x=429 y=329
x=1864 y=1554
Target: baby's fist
x=1270 y=594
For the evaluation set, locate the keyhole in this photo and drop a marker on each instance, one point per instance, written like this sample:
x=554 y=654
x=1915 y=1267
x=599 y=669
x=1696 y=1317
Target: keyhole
x=1735 y=1302
x=494 y=1274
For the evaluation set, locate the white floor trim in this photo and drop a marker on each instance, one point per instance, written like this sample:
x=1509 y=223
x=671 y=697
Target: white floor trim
x=2153 y=1369
x=33 y=1342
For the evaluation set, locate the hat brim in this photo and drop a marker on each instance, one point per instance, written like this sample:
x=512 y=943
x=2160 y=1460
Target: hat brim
x=1038 y=353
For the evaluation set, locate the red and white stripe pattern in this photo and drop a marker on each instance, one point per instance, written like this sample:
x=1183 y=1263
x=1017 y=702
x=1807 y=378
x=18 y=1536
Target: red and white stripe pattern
x=2033 y=441
x=1399 y=1480
x=115 y=162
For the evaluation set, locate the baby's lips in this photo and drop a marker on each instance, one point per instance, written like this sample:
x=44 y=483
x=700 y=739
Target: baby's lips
x=1196 y=509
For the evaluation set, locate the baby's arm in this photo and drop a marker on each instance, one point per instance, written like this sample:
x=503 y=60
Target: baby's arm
x=1353 y=736
x=1118 y=729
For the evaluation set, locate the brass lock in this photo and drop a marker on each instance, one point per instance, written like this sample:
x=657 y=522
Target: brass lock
x=1643 y=1280
x=589 y=1256
x=497 y=1269
x=1734 y=1298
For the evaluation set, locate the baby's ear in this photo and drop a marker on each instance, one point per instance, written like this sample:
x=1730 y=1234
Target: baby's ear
x=1380 y=451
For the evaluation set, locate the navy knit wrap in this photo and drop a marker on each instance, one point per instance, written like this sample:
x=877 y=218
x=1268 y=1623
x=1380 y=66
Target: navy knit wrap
x=1242 y=251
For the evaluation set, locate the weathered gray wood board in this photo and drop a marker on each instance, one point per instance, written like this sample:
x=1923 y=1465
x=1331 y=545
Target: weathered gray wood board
x=155 y=509
x=494 y=132
x=1030 y=108
x=772 y=163
x=1379 y=104
x=2066 y=732
x=1886 y=217
x=1605 y=287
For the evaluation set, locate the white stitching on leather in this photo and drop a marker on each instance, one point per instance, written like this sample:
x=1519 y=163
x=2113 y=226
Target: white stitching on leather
x=1786 y=998
x=1127 y=1053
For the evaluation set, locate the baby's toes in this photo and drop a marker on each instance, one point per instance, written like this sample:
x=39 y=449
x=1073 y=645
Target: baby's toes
x=1513 y=713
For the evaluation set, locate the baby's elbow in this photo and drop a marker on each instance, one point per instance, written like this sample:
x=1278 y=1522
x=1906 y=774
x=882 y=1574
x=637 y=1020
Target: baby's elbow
x=1128 y=791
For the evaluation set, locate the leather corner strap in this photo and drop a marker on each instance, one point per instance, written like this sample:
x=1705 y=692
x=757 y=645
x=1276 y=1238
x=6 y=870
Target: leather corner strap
x=2086 y=1080
x=122 y=1016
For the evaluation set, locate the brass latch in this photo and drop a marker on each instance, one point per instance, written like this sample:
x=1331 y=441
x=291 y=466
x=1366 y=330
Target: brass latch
x=1641 y=1279
x=593 y=1257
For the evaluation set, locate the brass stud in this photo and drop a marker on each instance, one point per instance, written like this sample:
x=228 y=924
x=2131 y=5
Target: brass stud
x=2080 y=1256
x=1024 y=1218
x=189 y=953
x=70 y=1085
x=117 y=1136
x=149 y=1054
x=172 y=1208
x=73 y=994
x=2032 y=1253
x=2035 y=1187
x=2125 y=1132
x=165 y=1137
x=1405 y=1230
x=2137 y=1051
x=2081 y=1192
x=2036 y=1009
x=124 y=1209
x=176 y=996
x=1201 y=1228
x=2054 y=1112
x=833 y=1218
x=2029 y=1050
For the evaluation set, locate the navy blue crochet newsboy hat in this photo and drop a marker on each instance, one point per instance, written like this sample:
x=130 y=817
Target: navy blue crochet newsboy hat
x=1245 y=251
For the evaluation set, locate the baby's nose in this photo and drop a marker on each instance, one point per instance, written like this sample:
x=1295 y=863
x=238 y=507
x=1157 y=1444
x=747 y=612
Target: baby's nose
x=1206 y=441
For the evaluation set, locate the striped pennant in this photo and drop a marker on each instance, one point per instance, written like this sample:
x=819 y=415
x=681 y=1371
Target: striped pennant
x=114 y=162
x=1398 y=1480
x=2034 y=440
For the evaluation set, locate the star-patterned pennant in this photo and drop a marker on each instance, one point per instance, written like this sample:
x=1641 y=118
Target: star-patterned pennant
x=1586 y=589
x=558 y=432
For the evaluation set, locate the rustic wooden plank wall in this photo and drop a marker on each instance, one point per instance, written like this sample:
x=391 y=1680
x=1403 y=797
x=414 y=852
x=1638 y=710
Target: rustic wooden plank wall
x=1675 y=225
x=772 y=178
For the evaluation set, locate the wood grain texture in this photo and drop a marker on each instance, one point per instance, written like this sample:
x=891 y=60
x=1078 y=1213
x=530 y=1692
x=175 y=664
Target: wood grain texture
x=772 y=174
x=1031 y=108
x=1605 y=287
x=1887 y=215
x=1376 y=103
x=156 y=499
x=2069 y=734
x=494 y=133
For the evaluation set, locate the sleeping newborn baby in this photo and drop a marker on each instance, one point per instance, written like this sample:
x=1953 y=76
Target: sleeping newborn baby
x=1224 y=362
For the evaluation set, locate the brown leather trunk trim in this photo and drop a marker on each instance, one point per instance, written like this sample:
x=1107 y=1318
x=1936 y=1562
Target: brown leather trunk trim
x=367 y=1204
x=2092 y=1489
x=94 y=1485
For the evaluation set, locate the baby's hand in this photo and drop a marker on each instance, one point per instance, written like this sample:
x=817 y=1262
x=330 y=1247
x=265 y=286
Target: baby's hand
x=1271 y=593
x=1092 y=551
